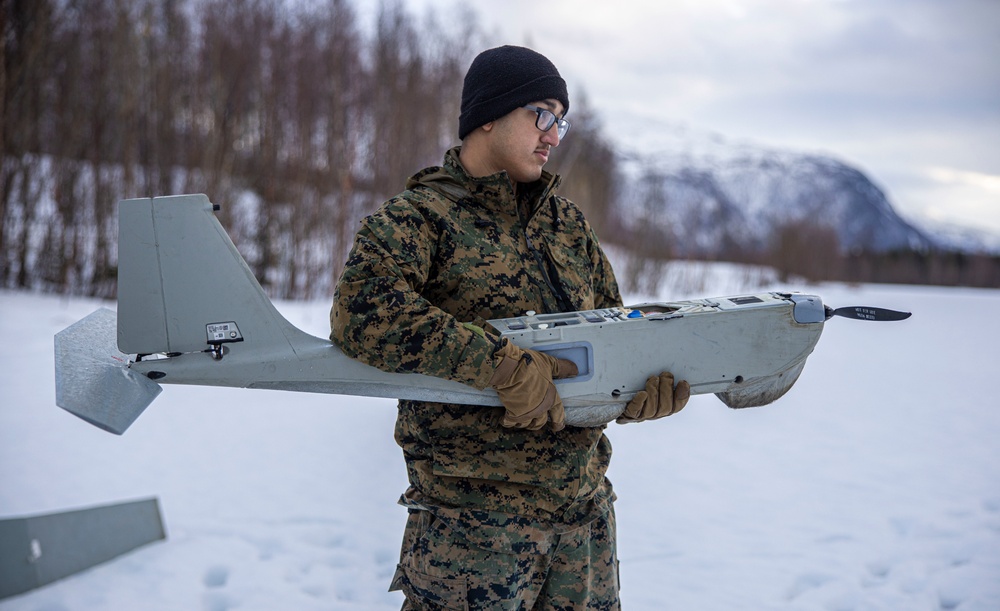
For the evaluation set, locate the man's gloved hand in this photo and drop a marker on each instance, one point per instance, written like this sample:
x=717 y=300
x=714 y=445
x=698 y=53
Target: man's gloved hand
x=659 y=400
x=523 y=379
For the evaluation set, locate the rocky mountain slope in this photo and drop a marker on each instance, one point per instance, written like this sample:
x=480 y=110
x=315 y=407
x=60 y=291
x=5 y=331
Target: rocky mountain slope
x=706 y=195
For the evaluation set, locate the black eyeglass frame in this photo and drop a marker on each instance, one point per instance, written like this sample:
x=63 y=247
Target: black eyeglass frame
x=562 y=125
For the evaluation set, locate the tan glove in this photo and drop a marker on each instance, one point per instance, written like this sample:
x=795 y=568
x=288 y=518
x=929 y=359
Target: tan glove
x=659 y=400
x=523 y=379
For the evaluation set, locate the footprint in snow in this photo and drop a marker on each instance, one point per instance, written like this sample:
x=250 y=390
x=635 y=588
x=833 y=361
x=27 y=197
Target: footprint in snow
x=806 y=582
x=216 y=576
x=877 y=572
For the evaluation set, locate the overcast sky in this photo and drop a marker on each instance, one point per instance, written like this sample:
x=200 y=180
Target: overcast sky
x=906 y=90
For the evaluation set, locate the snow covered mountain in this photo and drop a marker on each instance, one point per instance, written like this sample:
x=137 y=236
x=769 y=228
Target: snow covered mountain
x=710 y=195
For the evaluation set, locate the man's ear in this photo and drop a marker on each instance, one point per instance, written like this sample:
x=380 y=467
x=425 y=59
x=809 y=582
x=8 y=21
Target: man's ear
x=488 y=126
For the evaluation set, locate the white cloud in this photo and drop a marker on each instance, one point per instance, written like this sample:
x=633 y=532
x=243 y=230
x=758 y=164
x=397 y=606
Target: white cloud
x=986 y=182
x=957 y=196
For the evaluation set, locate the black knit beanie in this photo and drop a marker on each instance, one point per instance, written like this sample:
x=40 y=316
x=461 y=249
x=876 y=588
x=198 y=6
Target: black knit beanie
x=502 y=79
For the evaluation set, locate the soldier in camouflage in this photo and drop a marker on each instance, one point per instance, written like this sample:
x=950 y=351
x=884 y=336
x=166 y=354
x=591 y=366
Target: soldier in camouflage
x=508 y=508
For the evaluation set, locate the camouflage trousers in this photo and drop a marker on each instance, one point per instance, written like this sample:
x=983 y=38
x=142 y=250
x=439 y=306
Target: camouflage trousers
x=447 y=568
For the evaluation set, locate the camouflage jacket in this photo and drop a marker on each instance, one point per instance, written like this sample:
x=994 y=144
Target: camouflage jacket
x=452 y=249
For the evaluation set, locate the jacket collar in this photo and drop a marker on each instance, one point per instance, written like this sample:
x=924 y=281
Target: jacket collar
x=495 y=192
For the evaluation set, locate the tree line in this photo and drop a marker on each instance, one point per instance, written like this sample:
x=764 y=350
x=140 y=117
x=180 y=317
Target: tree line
x=295 y=117
x=808 y=250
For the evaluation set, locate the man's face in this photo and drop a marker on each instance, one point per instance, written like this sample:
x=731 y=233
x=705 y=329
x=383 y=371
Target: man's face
x=518 y=146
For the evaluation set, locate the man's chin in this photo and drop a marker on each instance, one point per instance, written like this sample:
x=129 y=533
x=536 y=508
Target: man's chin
x=529 y=174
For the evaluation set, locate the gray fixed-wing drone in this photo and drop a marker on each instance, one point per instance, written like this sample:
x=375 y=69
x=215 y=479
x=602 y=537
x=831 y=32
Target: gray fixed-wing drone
x=190 y=311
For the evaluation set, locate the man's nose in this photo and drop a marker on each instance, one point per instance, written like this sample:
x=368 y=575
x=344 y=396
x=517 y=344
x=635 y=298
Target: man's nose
x=551 y=137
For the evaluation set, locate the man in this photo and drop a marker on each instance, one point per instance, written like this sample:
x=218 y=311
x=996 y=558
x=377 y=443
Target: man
x=508 y=508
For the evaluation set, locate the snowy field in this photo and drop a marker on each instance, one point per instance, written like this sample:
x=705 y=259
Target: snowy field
x=874 y=484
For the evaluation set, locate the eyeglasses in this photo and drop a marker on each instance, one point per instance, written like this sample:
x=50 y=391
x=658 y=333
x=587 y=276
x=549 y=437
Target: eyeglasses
x=546 y=119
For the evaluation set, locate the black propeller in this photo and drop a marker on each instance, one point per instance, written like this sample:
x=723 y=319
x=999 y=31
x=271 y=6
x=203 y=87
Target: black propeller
x=866 y=313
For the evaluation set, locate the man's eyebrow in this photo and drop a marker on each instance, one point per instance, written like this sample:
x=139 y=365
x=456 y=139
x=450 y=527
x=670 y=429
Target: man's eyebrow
x=550 y=104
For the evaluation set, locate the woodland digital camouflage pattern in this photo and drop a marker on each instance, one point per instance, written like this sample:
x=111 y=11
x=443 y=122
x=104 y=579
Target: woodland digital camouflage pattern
x=524 y=567
x=451 y=250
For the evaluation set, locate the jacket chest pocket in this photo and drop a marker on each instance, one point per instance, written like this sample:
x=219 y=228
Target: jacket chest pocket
x=573 y=272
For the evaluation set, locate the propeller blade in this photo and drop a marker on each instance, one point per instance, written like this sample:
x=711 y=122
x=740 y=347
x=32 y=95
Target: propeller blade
x=868 y=313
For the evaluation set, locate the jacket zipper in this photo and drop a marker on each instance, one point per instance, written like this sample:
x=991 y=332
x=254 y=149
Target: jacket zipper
x=540 y=261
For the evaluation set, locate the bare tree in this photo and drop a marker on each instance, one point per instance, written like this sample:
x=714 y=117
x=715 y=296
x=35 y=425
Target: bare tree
x=284 y=112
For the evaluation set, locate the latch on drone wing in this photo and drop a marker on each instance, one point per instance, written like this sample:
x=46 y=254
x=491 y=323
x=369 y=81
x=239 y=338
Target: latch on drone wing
x=220 y=333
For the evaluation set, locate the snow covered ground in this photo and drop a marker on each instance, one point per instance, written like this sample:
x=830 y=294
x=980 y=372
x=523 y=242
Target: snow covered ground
x=874 y=484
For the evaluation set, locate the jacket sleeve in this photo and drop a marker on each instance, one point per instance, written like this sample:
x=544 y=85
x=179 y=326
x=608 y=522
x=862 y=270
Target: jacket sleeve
x=379 y=316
